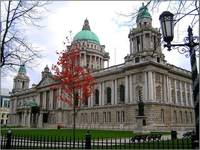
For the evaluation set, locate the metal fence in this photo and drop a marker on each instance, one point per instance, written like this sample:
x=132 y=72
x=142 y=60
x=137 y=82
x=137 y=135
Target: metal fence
x=42 y=142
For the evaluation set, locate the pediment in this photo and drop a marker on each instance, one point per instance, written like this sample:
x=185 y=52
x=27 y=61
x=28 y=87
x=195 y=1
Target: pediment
x=46 y=81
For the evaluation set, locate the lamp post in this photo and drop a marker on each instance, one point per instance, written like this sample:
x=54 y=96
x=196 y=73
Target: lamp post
x=167 y=27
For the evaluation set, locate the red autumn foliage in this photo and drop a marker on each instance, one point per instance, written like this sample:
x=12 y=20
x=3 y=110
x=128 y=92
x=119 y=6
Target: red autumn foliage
x=73 y=78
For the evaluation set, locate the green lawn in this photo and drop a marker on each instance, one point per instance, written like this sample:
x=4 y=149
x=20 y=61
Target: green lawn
x=80 y=133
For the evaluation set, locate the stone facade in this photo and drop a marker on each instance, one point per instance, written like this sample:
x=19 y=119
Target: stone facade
x=145 y=76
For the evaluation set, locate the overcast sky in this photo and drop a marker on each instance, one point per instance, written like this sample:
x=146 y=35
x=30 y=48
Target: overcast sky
x=104 y=20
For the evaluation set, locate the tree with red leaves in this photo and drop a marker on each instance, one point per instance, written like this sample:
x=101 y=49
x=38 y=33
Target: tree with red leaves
x=76 y=82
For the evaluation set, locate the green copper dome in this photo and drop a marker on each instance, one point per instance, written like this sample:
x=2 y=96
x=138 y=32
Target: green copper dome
x=22 y=69
x=86 y=34
x=143 y=13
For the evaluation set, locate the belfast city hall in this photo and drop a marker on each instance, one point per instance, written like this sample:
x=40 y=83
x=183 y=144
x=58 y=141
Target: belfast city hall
x=145 y=76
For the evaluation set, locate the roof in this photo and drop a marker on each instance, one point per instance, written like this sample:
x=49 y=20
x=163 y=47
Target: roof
x=86 y=34
x=143 y=13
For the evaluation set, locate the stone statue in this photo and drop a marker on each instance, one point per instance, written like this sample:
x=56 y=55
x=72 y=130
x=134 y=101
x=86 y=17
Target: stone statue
x=140 y=108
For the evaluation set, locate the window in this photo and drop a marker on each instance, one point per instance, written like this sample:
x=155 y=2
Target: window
x=158 y=59
x=158 y=93
x=175 y=116
x=137 y=59
x=92 y=117
x=147 y=35
x=1 y=121
x=162 y=116
x=23 y=84
x=104 y=117
x=122 y=93
x=108 y=91
x=96 y=97
x=188 y=99
x=191 y=117
x=173 y=96
x=139 y=94
x=109 y=117
x=45 y=117
x=184 y=99
x=181 y=117
x=97 y=117
x=178 y=97
x=122 y=116
x=186 y=117
x=117 y=116
x=138 y=44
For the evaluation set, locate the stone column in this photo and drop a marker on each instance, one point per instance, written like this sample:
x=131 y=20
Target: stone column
x=146 y=97
x=51 y=99
x=191 y=96
x=176 y=100
x=92 y=99
x=44 y=99
x=150 y=85
x=116 y=91
x=113 y=93
x=181 y=94
x=126 y=89
x=100 y=94
x=103 y=95
x=170 y=91
x=131 y=88
x=186 y=94
x=40 y=121
x=29 y=119
x=165 y=89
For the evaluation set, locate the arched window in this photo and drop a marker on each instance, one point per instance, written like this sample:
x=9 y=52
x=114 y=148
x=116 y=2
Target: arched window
x=158 y=93
x=122 y=93
x=108 y=91
x=139 y=93
x=96 y=97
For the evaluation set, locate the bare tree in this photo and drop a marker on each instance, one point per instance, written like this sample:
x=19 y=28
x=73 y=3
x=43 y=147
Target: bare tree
x=15 y=47
x=180 y=9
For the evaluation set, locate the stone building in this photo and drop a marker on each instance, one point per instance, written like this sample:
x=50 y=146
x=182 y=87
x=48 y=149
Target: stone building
x=4 y=105
x=145 y=76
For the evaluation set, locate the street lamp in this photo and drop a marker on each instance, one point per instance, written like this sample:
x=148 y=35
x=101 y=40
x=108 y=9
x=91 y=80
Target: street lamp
x=167 y=27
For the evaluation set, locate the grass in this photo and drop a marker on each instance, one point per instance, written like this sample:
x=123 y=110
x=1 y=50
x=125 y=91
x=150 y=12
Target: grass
x=80 y=133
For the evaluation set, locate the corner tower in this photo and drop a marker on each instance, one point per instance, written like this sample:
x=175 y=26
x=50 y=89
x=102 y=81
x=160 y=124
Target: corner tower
x=93 y=54
x=21 y=81
x=145 y=44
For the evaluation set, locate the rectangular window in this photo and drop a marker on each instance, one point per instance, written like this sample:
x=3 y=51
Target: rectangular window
x=117 y=116
x=104 y=117
x=97 y=117
x=109 y=117
x=92 y=117
x=162 y=116
x=122 y=116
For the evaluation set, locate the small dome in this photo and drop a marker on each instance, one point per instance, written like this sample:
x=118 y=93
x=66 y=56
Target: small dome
x=22 y=69
x=86 y=34
x=143 y=13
